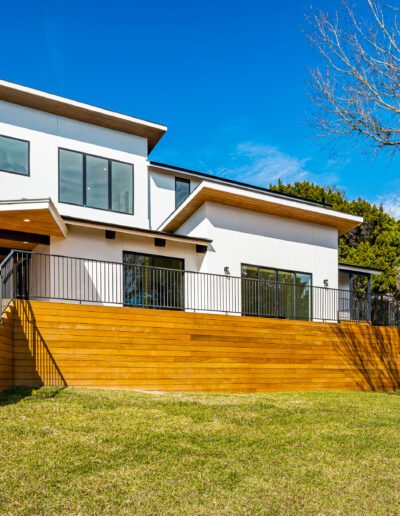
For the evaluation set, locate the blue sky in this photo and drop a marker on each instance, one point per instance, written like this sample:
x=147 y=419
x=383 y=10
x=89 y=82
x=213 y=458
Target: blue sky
x=228 y=78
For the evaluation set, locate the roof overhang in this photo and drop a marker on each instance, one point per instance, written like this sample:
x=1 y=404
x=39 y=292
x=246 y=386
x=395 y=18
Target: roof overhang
x=261 y=203
x=26 y=222
x=146 y=233
x=67 y=108
x=344 y=267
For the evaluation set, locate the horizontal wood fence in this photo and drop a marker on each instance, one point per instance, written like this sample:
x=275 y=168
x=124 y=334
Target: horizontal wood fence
x=98 y=346
x=6 y=350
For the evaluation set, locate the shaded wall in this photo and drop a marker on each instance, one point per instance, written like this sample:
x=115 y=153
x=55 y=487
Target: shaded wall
x=65 y=344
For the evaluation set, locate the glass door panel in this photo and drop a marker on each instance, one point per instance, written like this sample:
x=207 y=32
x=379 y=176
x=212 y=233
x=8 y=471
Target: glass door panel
x=303 y=296
x=249 y=290
x=153 y=281
x=286 y=294
x=267 y=295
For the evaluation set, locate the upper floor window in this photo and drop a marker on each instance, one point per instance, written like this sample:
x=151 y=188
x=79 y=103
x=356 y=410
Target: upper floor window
x=14 y=155
x=182 y=190
x=95 y=182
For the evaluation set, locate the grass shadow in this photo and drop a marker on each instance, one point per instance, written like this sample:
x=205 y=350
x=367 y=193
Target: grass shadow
x=14 y=395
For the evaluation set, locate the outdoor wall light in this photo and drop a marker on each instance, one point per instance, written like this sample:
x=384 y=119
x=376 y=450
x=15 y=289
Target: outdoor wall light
x=227 y=271
x=326 y=283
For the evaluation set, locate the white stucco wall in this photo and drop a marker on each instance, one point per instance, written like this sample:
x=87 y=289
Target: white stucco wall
x=162 y=195
x=46 y=133
x=89 y=280
x=91 y=243
x=240 y=236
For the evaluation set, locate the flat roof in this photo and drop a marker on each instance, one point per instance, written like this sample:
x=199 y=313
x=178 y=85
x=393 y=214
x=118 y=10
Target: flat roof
x=61 y=106
x=260 y=202
x=249 y=186
x=347 y=267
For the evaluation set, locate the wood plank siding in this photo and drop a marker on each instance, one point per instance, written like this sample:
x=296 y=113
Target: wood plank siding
x=98 y=346
x=6 y=350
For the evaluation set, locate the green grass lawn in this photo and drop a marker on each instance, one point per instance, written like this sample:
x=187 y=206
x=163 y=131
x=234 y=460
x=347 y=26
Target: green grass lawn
x=81 y=451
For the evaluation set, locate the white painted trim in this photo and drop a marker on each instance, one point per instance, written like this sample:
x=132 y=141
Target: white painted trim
x=94 y=109
x=137 y=232
x=356 y=268
x=318 y=210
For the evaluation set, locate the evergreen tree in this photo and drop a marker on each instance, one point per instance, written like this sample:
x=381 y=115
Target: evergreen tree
x=376 y=243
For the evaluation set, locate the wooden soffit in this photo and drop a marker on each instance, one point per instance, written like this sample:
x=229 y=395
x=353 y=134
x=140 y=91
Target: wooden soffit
x=35 y=216
x=260 y=203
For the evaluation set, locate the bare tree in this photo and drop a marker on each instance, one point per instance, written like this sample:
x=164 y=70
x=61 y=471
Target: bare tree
x=357 y=92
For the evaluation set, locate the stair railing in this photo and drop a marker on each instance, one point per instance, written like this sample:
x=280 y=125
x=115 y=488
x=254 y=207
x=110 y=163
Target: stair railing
x=7 y=282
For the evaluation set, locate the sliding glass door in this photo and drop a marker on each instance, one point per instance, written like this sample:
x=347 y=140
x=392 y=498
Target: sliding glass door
x=276 y=293
x=153 y=281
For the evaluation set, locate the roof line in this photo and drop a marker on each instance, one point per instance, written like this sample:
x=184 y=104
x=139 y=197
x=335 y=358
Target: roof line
x=150 y=232
x=240 y=183
x=349 y=266
x=68 y=99
x=81 y=111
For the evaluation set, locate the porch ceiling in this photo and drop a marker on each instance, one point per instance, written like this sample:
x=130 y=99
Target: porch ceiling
x=261 y=203
x=27 y=222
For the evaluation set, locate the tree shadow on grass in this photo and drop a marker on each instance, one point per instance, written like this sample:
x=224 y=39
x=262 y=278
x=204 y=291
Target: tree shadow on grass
x=373 y=352
x=16 y=394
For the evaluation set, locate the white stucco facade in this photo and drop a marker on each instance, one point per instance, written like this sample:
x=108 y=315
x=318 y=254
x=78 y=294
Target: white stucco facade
x=285 y=239
x=244 y=237
x=47 y=133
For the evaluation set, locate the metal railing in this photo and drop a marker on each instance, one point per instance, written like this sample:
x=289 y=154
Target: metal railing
x=7 y=283
x=31 y=275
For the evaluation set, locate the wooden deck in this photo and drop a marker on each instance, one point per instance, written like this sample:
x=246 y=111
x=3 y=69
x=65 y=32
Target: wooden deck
x=97 y=346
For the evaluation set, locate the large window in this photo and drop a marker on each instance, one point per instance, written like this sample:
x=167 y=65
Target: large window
x=95 y=182
x=14 y=155
x=153 y=281
x=276 y=293
x=182 y=190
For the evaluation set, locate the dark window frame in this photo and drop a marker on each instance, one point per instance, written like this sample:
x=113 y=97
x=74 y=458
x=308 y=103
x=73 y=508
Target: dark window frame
x=181 y=180
x=152 y=255
x=84 y=181
x=29 y=156
x=181 y=306
x=276 y=270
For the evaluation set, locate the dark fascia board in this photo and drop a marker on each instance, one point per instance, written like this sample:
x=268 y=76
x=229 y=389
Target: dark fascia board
x=238 y=183
x=150 y=232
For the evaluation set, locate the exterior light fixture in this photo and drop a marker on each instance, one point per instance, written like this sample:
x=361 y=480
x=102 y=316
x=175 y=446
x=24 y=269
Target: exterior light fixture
x=326 y=283
x=227 y=271
x=27 y=220
x=25 y=242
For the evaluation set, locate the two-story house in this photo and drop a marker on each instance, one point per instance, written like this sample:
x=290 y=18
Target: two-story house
x=106 y=224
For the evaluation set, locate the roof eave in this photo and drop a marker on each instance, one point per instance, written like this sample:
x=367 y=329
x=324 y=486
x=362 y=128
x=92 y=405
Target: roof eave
x=49 y=103
x=287 y=208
